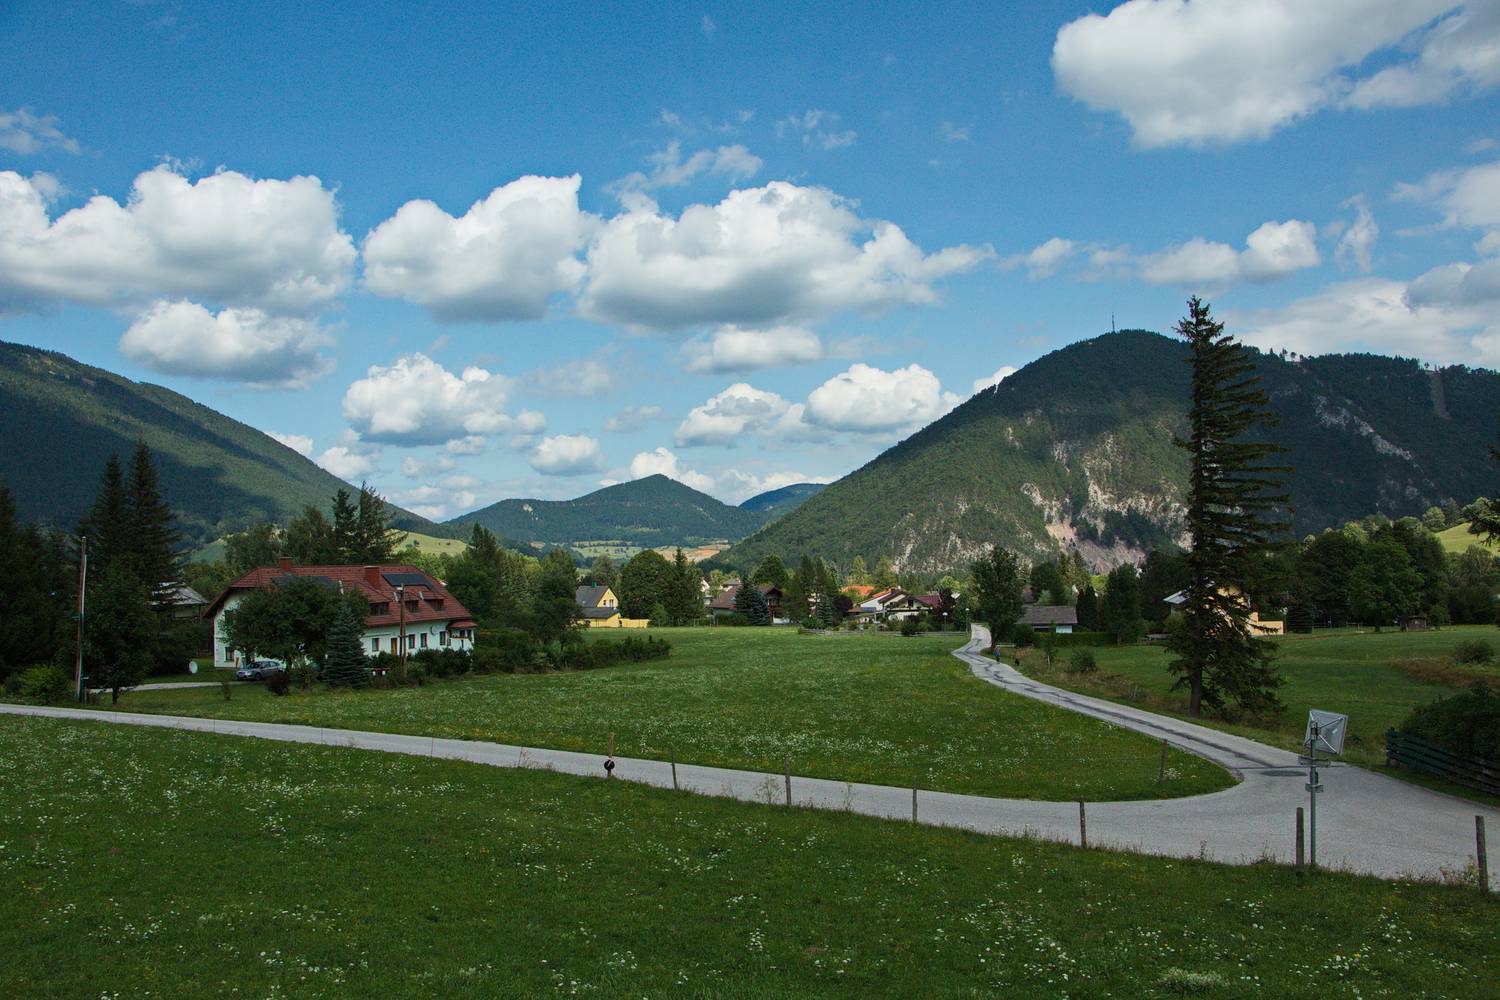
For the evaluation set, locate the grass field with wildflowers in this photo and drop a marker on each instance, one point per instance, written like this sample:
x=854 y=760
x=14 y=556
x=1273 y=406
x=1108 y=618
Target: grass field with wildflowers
x=874 y=707
x=138 y=862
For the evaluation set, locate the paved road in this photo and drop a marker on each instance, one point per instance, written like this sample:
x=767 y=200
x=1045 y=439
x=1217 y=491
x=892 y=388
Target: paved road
x=1367 y=822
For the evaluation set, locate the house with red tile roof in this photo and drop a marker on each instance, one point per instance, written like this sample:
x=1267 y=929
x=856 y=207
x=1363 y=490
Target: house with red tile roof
x=402 y=600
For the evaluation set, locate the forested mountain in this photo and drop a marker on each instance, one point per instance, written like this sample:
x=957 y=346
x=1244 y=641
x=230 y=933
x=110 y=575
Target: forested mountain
x=778 y=502
x=646 y=513
x=1075 y=451
x=63 y=418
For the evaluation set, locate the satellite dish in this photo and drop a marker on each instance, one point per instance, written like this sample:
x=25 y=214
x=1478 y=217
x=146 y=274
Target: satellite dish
x=1325 y=732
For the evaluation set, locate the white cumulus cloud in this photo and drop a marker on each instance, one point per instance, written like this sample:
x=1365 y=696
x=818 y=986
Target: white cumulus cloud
x=869 y=400
x=669 y=168
x=501 y=260
x=1357 y=243
x=1001 y=374
x=225 y=239
x=728 y=415
x=1272 y=251
x=1221 y=71
x=663 y=462
x=760 y=257
x=566 y=455
x=416 y=401
x=738 y=349
x=350 y=462
x=239 y=345
x=300 y=443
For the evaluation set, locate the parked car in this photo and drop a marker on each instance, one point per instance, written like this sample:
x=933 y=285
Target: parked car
x=258 y=670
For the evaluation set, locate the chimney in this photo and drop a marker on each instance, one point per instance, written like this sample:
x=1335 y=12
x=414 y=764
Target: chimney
x=372 y=576
x=285 y=563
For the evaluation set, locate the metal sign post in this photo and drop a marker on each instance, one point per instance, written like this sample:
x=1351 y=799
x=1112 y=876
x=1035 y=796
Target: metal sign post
x=1325 y=731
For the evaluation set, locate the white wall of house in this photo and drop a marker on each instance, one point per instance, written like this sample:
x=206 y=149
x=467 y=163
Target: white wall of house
x=424 y=635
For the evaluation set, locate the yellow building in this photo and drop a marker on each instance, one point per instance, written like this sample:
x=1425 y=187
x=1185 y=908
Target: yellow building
x=1254 y=622
x=601 y=609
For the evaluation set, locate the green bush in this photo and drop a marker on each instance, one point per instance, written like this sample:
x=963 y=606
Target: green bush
x=508 y=651
x=1069 y=640
x=735 y=619
x=811 y=624
x=1474 y=651
x=279 y=682
x=1467 y=724
x=911 y=626
x=1023 y=635
x=46 y=684
x=1082 y=661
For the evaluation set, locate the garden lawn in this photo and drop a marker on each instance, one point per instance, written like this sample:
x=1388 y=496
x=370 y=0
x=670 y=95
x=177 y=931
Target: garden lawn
x=139 y=862
x=1359 y=674
x=873 y=707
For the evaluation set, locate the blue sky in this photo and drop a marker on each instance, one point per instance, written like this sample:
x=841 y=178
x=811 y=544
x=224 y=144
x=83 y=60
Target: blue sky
x=468 y=255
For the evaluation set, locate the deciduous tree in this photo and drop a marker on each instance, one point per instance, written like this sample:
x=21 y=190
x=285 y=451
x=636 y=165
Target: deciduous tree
x=997 y=585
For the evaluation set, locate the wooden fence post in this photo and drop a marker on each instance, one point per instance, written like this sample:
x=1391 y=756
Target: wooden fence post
x=1083 y=827
x=1481 y=855
x=673 y=756
x=1299 y=836
x=786 y=767
x=1161 y=769
x=914 y=798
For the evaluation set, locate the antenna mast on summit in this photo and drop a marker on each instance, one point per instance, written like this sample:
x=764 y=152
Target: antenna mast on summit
x=1111 y=322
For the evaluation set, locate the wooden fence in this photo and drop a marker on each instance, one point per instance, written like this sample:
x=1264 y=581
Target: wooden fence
x=1429 y=758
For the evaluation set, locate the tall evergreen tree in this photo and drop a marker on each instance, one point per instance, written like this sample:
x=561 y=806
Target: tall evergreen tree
x=346 y=540
x=345 y=664
x=309 y=539
x=684 y=601
x=258 y=545
x=1120 y=613
x=601 y=572
x=33 y=626
x=885 y=573
x=759 y=612
x=1235 y=493
x=375 y=539
x=120 y=630
x=555 y=610
x=153 y=539
x=107 y=524
x=1088 y=609
x=645 y=582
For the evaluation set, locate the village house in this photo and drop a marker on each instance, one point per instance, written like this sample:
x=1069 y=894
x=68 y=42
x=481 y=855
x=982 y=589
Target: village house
x=1257 y=625
x=601 y=609
x=1058 y=618
x=722 y=605
x=402 y=600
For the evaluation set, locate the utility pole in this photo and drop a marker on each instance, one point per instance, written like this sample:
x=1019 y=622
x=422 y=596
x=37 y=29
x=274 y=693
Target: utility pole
x=83 y=578
x=401 y=600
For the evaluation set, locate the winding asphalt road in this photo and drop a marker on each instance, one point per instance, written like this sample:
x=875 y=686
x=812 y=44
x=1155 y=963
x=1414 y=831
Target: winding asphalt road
x=1366 y=822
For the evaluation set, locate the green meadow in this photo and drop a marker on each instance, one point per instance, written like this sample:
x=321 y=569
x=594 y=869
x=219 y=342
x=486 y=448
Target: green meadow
x=141 y=862
x=872 y=707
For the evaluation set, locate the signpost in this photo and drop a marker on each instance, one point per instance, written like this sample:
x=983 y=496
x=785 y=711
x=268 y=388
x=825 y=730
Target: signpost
x=1325 y=732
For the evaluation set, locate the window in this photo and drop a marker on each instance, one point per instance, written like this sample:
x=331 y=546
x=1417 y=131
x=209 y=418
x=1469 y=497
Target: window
x=375 y=644
x=443 y=638
x=423 y=643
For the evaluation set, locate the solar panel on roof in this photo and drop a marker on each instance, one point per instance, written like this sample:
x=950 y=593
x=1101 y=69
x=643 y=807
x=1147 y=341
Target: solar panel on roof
x=322 y=581
x=407 y=579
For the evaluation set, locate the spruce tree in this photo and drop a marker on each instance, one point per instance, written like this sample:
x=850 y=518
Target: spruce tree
x=827 y=612
x=152 y=538
x=684 y=597
x=345 y=664
x=1235 y=496
x=346 y=546
x=760 y=611
x=859 y=574
x=107 y=524
x=1088 y=609
x=375 y=539
x=309 y=539
x=120 y=630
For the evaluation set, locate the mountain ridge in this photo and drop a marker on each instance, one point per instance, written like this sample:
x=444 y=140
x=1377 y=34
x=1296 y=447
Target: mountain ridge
x=646 y=513
x=218 y=475
x=1075 y=451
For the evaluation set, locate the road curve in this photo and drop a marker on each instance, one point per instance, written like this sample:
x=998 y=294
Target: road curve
x=1367 y=822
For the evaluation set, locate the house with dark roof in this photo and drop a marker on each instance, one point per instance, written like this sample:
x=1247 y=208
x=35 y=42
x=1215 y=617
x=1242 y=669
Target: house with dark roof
x=1059 y=618
x=601 y=609
x=404 y=603
x=723 y=603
